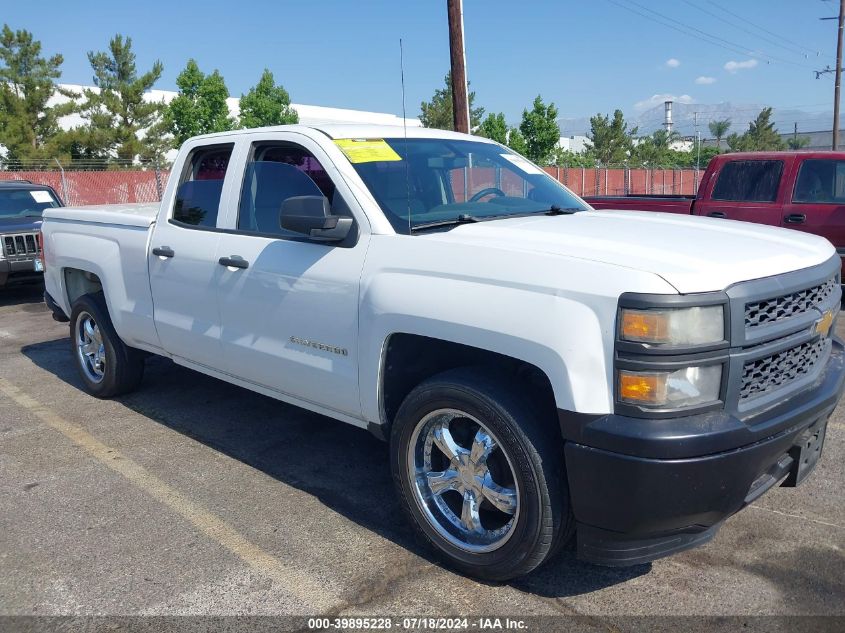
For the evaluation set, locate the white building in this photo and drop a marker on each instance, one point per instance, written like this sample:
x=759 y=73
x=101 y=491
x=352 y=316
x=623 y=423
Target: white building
x=308 y=114
x=575 y=144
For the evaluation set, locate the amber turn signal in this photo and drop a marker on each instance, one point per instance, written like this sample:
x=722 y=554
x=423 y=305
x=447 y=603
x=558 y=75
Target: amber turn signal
x=645 y=325
x=642 y=388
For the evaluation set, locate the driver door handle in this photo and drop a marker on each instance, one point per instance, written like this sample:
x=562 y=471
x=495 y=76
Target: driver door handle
x=795 y=218
x=233 y=262
x=163 y=251
x=717 y=214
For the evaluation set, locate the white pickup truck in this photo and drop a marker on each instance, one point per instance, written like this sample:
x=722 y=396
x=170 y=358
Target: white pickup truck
x=540 y=369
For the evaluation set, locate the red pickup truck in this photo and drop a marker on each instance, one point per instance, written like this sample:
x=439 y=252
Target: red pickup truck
x=797 y=190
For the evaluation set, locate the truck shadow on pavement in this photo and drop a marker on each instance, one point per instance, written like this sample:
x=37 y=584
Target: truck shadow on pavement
x=345 y=467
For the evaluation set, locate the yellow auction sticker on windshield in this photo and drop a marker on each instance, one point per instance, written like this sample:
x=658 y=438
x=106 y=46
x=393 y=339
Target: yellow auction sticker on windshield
x=366 y=150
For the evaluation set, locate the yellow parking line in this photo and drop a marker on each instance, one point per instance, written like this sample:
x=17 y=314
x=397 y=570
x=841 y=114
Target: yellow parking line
x=290 y=580
x=837 y=425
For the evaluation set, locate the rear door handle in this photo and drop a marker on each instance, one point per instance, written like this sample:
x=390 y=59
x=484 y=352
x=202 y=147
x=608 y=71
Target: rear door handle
x=795 y=218
x=233 y=262
x=717 y=214
x=163 y=251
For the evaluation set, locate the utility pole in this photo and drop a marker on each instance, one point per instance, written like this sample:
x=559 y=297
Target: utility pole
x=460 y=100
x=698 y=150
x=838 y=76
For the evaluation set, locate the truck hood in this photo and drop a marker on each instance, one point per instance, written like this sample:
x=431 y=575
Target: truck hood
x=19 y=225
x=693 y=254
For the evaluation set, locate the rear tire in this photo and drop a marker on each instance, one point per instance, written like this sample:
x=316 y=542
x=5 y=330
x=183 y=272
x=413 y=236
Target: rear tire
x=108 y=367
x=495 y=517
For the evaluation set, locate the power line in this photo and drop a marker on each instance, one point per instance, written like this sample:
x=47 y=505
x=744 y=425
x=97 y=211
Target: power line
x=702 y=35
x=671 y=26
x=779 y=42
x=760 y=28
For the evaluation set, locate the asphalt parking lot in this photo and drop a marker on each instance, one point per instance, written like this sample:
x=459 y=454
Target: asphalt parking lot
x=192 y=496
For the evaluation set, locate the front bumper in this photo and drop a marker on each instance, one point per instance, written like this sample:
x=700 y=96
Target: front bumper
x=643 y=489
x=18 y=271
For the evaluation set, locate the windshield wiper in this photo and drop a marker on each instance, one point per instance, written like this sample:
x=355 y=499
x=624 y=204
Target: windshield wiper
x=463 y=218
x=556 y=210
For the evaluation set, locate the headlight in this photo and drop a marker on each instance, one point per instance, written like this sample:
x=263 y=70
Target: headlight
x=671 y=389
x=674 y=326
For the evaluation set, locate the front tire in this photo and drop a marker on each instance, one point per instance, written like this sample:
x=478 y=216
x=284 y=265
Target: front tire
x=480 y=475
x=108 y=367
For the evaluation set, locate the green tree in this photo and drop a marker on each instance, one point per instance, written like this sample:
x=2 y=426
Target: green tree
x=568 y=158
x=438 y=112
x=495 y=128
x=266 y=104
x=688 y=159
x=516 y=141
x=611 y=143
x=718 y=129
x=116 y=111
x=27 y=81
x=656 y=150
x=541 y=132
x=761 y=135
x=200 y=107
x=798 y=142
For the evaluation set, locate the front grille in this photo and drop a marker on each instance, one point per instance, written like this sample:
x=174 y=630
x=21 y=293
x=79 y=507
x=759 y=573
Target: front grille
x=22 y=245
x=779 y=308
x=781 y=369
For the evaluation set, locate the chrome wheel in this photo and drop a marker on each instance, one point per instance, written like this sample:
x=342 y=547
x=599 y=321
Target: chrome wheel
x=90 y=348
x=463 y=480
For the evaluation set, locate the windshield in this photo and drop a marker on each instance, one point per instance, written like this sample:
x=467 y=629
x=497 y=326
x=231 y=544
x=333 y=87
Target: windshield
x=25 y=203
x=441 y=180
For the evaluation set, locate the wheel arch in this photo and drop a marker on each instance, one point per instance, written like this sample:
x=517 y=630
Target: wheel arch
x=408 y=359
x=79 y=282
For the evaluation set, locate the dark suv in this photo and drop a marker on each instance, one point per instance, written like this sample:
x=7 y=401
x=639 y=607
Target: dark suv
x=21 y=205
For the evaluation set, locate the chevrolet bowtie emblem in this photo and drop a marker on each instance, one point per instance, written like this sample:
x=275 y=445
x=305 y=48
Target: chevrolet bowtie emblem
x=823 y=324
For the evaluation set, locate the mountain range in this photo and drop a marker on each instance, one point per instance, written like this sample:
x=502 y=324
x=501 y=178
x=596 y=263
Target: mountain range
x=684 y=118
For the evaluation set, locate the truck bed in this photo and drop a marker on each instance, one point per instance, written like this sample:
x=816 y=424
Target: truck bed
x=110 y=242
x=140 y=214
x=665 y=204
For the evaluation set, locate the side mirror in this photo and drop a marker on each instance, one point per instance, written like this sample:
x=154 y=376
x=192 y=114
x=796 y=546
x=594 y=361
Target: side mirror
x=311 y=216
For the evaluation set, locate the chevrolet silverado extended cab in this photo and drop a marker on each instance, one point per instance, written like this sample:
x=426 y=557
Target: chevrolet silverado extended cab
x=804 y=191
x=21 y=206
x=540 y=369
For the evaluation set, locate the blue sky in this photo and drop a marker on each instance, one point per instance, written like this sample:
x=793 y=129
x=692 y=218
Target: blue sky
x=589 y=56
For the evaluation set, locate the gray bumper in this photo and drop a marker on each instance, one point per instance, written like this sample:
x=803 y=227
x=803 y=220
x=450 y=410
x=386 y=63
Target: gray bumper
x=18 y=271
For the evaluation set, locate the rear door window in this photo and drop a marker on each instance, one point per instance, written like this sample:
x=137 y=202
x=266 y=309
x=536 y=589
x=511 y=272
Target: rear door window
x=820 y=180
x=749 y=181
x=201 y=185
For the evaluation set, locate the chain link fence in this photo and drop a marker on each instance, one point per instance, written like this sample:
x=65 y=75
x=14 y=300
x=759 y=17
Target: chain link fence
x=83 y=183
x=92 y=182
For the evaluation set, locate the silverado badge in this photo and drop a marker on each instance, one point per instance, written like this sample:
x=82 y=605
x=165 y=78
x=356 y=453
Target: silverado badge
x=823 y=324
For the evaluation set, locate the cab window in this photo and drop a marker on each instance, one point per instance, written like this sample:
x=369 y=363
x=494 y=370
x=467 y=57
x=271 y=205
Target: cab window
x=201 y=185
x=749 y=181
x=820 y=180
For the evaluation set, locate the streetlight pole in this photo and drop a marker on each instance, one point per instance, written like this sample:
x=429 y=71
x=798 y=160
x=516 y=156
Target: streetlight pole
x=460 y=100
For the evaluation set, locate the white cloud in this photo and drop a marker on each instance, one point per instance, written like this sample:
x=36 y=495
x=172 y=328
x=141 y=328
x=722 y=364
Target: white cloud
x=672 y=62
x=733 y=67
x=704 y=81
x=658 y=99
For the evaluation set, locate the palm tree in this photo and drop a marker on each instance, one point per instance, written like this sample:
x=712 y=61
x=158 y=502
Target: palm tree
x=719 y=129
x=797 y=142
